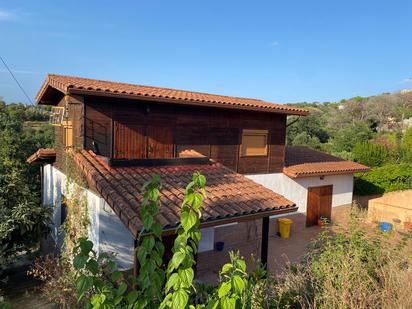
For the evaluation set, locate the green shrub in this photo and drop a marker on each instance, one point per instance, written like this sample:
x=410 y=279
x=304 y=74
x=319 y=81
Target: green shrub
x=383 y=179
x=370 y=154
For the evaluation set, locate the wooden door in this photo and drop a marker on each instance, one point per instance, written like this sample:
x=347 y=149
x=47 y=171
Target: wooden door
x=159 y=142
x=319 y=204
x=129 y=141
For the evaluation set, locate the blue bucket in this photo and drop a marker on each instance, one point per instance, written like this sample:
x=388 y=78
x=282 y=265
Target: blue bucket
x=385 y=227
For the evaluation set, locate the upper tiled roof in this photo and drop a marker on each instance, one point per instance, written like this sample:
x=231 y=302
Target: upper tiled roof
x=229 y=194
x=71 y=84
x=305 y=162
x=43 y=155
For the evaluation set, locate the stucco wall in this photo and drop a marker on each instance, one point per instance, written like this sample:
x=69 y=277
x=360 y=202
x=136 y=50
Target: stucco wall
x=105 y=230
x=54 y=185
x=296 y=190
x=115 y=238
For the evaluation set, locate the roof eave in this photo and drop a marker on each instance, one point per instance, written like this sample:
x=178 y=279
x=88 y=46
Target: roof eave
x=184 y=102
x=49 y=83
x=292 y=174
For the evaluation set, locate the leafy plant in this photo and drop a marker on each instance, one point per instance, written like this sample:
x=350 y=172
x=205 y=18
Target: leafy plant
x=97 y=283
x=151 y=249
x=180 y=272
x=233 y=284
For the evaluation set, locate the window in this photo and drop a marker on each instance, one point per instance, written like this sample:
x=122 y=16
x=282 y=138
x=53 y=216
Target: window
x=57 y=115
x=254 y=143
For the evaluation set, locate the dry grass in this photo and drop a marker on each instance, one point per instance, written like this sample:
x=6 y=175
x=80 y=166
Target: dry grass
x=346 y=267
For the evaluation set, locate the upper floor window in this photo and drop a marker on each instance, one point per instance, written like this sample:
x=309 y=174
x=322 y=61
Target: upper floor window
x=254 y=143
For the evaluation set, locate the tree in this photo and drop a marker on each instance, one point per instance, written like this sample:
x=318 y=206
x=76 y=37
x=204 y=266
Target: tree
x=346 y=139
x=370 y=154
x=23 y=221
x=313 y=125
x=304 y=139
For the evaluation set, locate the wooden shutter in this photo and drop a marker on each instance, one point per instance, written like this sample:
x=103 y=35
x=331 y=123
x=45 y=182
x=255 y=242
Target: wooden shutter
x=160 y=142
x=254 y=143
x=130 y=141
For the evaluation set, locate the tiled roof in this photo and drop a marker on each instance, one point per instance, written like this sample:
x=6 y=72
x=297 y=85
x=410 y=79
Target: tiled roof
x=71 y=84
x=305 y=162
x=229 y=194
x=42 y=155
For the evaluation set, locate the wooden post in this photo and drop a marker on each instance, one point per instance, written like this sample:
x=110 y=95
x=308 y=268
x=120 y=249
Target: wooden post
x=265 y=241
x=136 y=265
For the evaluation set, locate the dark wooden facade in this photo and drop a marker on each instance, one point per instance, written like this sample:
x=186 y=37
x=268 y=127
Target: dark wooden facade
x=129 y=129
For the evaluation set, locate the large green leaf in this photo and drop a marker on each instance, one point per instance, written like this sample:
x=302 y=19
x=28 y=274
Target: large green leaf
x=177 y=259
x=86 y=246
x=132 y=297
x=173 y=281
x=121 y=289
x=186 y=275
x=224 y=289
x=93 y=267
x=238 y=284
x=180 y=299
x=188 y=220
x=79 y=261
x=83 y=284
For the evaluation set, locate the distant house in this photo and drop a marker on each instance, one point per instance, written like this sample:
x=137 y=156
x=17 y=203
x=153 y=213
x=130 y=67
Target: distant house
x=121 y=134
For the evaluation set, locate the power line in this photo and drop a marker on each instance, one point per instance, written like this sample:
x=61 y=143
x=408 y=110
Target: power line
x=15 y=79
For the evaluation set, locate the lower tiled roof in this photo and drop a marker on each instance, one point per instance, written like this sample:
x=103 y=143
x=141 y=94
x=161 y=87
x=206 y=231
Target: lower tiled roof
x=229 y=194
x=43 y=155
x=306 y=162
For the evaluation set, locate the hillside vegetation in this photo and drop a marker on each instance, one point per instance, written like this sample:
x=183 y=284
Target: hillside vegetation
x=370 y=130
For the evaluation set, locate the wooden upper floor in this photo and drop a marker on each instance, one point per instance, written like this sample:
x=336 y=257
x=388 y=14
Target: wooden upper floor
x=247 y=139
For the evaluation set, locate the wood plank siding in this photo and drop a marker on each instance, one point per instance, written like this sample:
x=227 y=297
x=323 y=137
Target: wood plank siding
x=75 y=117
x=114 y=127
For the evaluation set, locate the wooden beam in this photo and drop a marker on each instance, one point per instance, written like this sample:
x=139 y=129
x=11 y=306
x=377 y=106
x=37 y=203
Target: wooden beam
x=265 y=242
x=240 y=218
x=158 y=162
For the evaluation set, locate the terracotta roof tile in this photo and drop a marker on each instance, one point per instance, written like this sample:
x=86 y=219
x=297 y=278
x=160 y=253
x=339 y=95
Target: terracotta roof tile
x=43 y=155
x=72 y=84
x=305 y=162
x=228 y=193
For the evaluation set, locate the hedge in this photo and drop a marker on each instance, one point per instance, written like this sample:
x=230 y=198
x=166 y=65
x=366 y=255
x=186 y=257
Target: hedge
x=392 y=177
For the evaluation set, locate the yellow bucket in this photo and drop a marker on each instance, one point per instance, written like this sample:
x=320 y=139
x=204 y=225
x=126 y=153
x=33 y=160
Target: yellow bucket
x=284 y=225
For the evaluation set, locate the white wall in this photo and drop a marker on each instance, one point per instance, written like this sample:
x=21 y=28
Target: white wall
x=296 y=190
x=115 y=238
x=54 y=185
x=106 y=231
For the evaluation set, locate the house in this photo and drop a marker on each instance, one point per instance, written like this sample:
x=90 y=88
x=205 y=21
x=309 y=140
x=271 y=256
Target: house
x=120 y=134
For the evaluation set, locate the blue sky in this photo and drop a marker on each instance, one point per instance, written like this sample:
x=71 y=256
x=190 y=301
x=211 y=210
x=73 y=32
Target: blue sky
x=279 y=51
